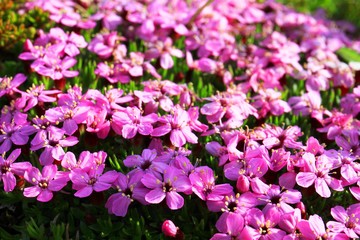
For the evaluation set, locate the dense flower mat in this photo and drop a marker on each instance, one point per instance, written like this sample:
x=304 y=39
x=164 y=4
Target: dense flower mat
x=228 y=119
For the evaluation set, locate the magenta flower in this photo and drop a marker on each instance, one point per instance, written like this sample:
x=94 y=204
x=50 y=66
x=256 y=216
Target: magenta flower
x=351 y=102
x=164 y=50
x=349 y=167
x=233 y=203
x=308 y=104
x=269 y=101
x=45 y=183
x=70 y=117
x=35 y=95
x=96 y=122
x=178 y=127
x=53 y=140
x=355 y=191
x=8 y=85
x=346 y=221
x=147 y=162
x=129 y=188
x=224 y=153
x=15 y=132
x=314 y=228
x=70 y=42
x=93 y=180
x=167 y=187
x=254 y=165
x=349 y=141
x=203 y=185
x=316 y=171
x=85 y=162
x=231 y=105
x=279 y=138
x=289 y=223
x=274 y=197
x=231 y=228
x=132 y=122
x=40 y=50
x=8 y=169
x=279 y=159
x=56 y=68
x=104 y=45
x=335 y=124
x=262 y=225
x=113 y=73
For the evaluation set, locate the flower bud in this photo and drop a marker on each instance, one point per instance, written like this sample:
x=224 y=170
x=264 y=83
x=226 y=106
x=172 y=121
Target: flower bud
x=169 y=229
x=242 y=184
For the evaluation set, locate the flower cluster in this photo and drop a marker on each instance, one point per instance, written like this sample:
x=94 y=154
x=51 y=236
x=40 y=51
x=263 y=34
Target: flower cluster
x=260 y=61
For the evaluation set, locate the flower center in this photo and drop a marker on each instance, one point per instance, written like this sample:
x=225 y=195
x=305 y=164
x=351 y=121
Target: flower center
x=92 y=181
x=275 y=199
x=167 y=187
x=145 y=165
x=232 y=206
x=43 y=183
x=5 y=168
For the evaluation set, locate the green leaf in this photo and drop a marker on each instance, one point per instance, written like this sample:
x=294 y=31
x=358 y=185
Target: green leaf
x=7 y=236
x=35 y=231
x=348 y=54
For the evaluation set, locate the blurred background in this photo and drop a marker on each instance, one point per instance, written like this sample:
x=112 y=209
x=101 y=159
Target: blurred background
x=348 y=10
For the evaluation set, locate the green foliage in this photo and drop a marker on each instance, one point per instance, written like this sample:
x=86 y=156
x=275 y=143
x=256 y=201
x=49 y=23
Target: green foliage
x=15 y=28
x=335 y=9
x=348 y=55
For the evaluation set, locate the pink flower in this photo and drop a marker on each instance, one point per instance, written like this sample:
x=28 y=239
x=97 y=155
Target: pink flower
x=114 y=73
x=55 y=68
x=262 y=225
x=85 y=182
x=346 y=221
x=335 y=124
x=316 y=171
x=15 y=132
x=231 y=227
x=8 y=85
x=132 y=122
x=178 y=127
x=167 y=187
x=269 y=101
x=349 y=141
x=314 y=228
x=53 y=140
x=277 y=198
x=278 y=138
x=289 y=222
x=231 y=105
x=70 y=117
x=351 y=102
x=254 y=165
x=35 y=95
x=147 y=162
x=233 y=203
x=308 y=104
x=48 y=181
x=164 y=50
x=8 y=169
x=85 y=162
x=104 y=45
x=225 y=153
x=129 y=188
x=70 y=42
x=203 y=185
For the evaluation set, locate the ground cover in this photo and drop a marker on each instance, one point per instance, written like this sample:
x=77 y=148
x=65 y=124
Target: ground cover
x=177 y=119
